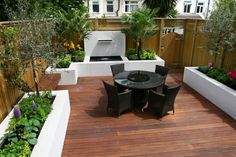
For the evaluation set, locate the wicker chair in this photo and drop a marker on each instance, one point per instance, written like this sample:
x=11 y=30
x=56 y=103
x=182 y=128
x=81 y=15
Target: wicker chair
x=117 y=102
x=115 y=69
x=163 y=71
x=160 y=104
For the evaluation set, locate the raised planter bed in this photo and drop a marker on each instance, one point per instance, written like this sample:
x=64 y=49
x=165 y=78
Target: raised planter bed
x=216 y=92
x=51 y=138
x=102 y=68
x=68 y=75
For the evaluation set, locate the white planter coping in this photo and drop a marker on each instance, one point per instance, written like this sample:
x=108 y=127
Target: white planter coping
x=102 y=68
x=216 y=92
x=51 y=138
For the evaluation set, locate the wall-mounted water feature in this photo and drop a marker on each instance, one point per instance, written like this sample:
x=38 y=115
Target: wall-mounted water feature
x=105 y=45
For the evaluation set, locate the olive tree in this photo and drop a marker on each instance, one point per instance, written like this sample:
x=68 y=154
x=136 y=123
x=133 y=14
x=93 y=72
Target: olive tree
x=220 y=30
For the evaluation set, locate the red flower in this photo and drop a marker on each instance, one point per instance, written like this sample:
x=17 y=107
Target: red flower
x=232 y=74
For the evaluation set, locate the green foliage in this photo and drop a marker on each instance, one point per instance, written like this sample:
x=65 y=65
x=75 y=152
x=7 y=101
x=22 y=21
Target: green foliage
x=72 y=22
x=78 y=56
x=141 y=25
x=63 y=61
x=46 y=5
x=203 y=69
x=220 y=30
x=219 y=75
x=21 y=135
x=20 y=148
x=215 y=72
x=33 y=48
x=10 y=61
x=146 y=54
x=165 y=7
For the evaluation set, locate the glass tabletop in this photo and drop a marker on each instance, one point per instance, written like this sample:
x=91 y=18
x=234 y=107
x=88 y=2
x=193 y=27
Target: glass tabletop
x=139 y=79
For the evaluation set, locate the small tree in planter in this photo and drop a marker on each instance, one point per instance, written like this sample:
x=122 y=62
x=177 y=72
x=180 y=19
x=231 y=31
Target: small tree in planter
x=32 y=48
x=220 y=30
x=141 y=25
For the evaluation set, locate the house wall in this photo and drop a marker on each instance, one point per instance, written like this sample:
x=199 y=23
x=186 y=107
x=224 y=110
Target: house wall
x=193 y=9
x=179 y=7
x=103 y=10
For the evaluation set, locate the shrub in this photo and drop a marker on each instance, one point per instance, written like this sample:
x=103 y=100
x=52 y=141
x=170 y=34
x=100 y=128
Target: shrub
x=63 y=61
x=78 y=56
x=146 y=54
x=215 y=72
x=219 y=75
x=203 y=69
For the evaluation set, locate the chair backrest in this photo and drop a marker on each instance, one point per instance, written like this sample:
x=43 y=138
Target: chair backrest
x=112 y=94
x=170 y=94
x=163 y=71
x=117 y=68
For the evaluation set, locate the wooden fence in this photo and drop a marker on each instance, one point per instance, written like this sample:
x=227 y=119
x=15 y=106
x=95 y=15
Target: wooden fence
x=179 y=42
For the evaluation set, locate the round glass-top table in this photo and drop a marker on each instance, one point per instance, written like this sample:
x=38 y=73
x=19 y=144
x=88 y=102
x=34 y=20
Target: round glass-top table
x=139 y=79
x=139 y=82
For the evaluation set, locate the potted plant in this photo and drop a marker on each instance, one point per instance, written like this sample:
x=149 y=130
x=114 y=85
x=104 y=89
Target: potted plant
x=140 y=25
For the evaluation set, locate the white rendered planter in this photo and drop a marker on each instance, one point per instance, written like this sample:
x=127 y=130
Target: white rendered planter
x=68 y=75
x=102 y=68
x=218 y=93
x=51 y=138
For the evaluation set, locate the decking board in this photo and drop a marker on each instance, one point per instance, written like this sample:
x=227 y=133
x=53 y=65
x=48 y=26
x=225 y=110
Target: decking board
x=198 y=127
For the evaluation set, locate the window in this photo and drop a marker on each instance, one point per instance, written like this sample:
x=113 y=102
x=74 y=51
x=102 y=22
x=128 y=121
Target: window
x=95 y=6
x=199 y=7
x=131 y=6
x=187 y=8
x=109 y=5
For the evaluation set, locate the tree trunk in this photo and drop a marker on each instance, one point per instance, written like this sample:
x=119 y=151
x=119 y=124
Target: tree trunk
x=35 y=78
x=139 y=48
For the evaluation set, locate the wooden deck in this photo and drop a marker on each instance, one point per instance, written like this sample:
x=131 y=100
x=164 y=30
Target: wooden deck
x=198 y=128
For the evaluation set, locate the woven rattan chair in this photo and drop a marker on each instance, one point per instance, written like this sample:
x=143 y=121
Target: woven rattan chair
x=115 y=69
x=161 y=103
x=117 y=102
x=163 y=71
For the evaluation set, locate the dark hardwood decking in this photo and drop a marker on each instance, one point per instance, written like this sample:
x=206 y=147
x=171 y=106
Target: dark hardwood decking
x=198 y=127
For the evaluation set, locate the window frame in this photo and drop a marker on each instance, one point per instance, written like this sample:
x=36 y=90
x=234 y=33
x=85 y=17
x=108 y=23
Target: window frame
x=187 y=7
x=95 y=3
x=107 y=5
x=131 y=4
x=200 y=6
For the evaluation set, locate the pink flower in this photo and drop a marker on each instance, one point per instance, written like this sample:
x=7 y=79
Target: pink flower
x=210 y=64
x=232 y=74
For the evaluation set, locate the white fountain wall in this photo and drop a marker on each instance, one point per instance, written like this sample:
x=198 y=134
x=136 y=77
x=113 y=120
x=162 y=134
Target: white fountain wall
x=105 y=43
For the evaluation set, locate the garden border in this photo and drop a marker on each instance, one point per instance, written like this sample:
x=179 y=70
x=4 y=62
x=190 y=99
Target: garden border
x=52 y=136
x=219 y=94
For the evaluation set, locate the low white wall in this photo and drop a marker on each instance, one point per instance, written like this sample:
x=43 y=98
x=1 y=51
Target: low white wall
x=87 y=68
x=102 y=68
x=68 y=75
x=51 y=138
x=216 y=92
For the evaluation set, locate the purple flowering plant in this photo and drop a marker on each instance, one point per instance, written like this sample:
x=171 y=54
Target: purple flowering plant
x=17 y=112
